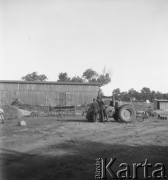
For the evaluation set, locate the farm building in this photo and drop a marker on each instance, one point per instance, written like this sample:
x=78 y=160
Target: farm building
x=107 y=98
x=48 y=93
x=160 y=104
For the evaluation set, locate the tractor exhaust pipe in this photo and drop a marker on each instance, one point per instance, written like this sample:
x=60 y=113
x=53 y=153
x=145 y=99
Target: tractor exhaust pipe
x=113 y=98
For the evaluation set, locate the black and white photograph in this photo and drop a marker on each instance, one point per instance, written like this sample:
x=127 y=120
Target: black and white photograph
x=83 y=89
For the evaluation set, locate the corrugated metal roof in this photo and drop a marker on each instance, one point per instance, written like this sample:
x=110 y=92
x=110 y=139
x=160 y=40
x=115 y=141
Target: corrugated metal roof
x=48 y=82
x=161 y=100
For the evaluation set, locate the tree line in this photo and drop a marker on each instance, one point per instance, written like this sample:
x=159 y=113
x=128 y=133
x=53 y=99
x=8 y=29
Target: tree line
x=144 y=94
x=88 y=76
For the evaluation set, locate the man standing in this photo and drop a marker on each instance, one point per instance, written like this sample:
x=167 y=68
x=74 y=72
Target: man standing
x=85 y=109
x=2 y=115
x=95 y=109
x=103 y=111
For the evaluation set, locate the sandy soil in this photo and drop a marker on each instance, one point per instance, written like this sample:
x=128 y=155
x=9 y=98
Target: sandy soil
x=53 y=148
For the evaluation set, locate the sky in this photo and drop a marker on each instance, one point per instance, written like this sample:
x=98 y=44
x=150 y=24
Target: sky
x=128 y=37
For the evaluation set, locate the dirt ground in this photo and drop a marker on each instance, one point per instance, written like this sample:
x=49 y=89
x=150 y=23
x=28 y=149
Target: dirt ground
x=66 y=148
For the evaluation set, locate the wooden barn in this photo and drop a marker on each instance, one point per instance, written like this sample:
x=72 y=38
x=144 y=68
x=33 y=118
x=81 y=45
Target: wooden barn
x=48 y=93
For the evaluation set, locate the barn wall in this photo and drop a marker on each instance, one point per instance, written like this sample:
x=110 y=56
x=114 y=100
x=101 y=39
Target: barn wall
x=163 y=105
x=48 y=94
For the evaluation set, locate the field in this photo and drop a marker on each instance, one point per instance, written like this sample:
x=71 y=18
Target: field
x=52 y=148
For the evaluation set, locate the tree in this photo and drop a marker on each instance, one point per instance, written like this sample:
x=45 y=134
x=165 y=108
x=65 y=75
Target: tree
x=104 y=78
x=34 y=77
x=153 y=95
x=134 y=94
x=124 y=96
x=90 y=75
x=63 y=77
x=77 y=79
x=93 y=77
x=159 y=95
x=146 y=93
x=116 y=93
x=165 y=96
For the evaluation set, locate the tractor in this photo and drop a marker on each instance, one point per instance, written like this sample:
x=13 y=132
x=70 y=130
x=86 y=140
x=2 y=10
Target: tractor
x=118 y=111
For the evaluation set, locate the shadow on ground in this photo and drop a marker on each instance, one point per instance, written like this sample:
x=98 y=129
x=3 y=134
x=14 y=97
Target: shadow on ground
x=75 y=160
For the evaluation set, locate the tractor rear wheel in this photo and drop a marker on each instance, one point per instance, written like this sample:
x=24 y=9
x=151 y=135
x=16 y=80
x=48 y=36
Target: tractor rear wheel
x=127 y=113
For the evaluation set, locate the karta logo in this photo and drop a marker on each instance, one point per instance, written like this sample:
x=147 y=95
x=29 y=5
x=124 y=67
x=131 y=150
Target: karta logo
x=103 y=167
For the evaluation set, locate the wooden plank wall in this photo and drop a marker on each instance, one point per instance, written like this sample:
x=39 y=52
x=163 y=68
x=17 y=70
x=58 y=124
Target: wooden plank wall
x=47 y=94
x=163 y=105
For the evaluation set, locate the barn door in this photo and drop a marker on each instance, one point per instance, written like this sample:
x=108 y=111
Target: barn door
x=52 y=99
x=68 y=99
x=62 y=99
